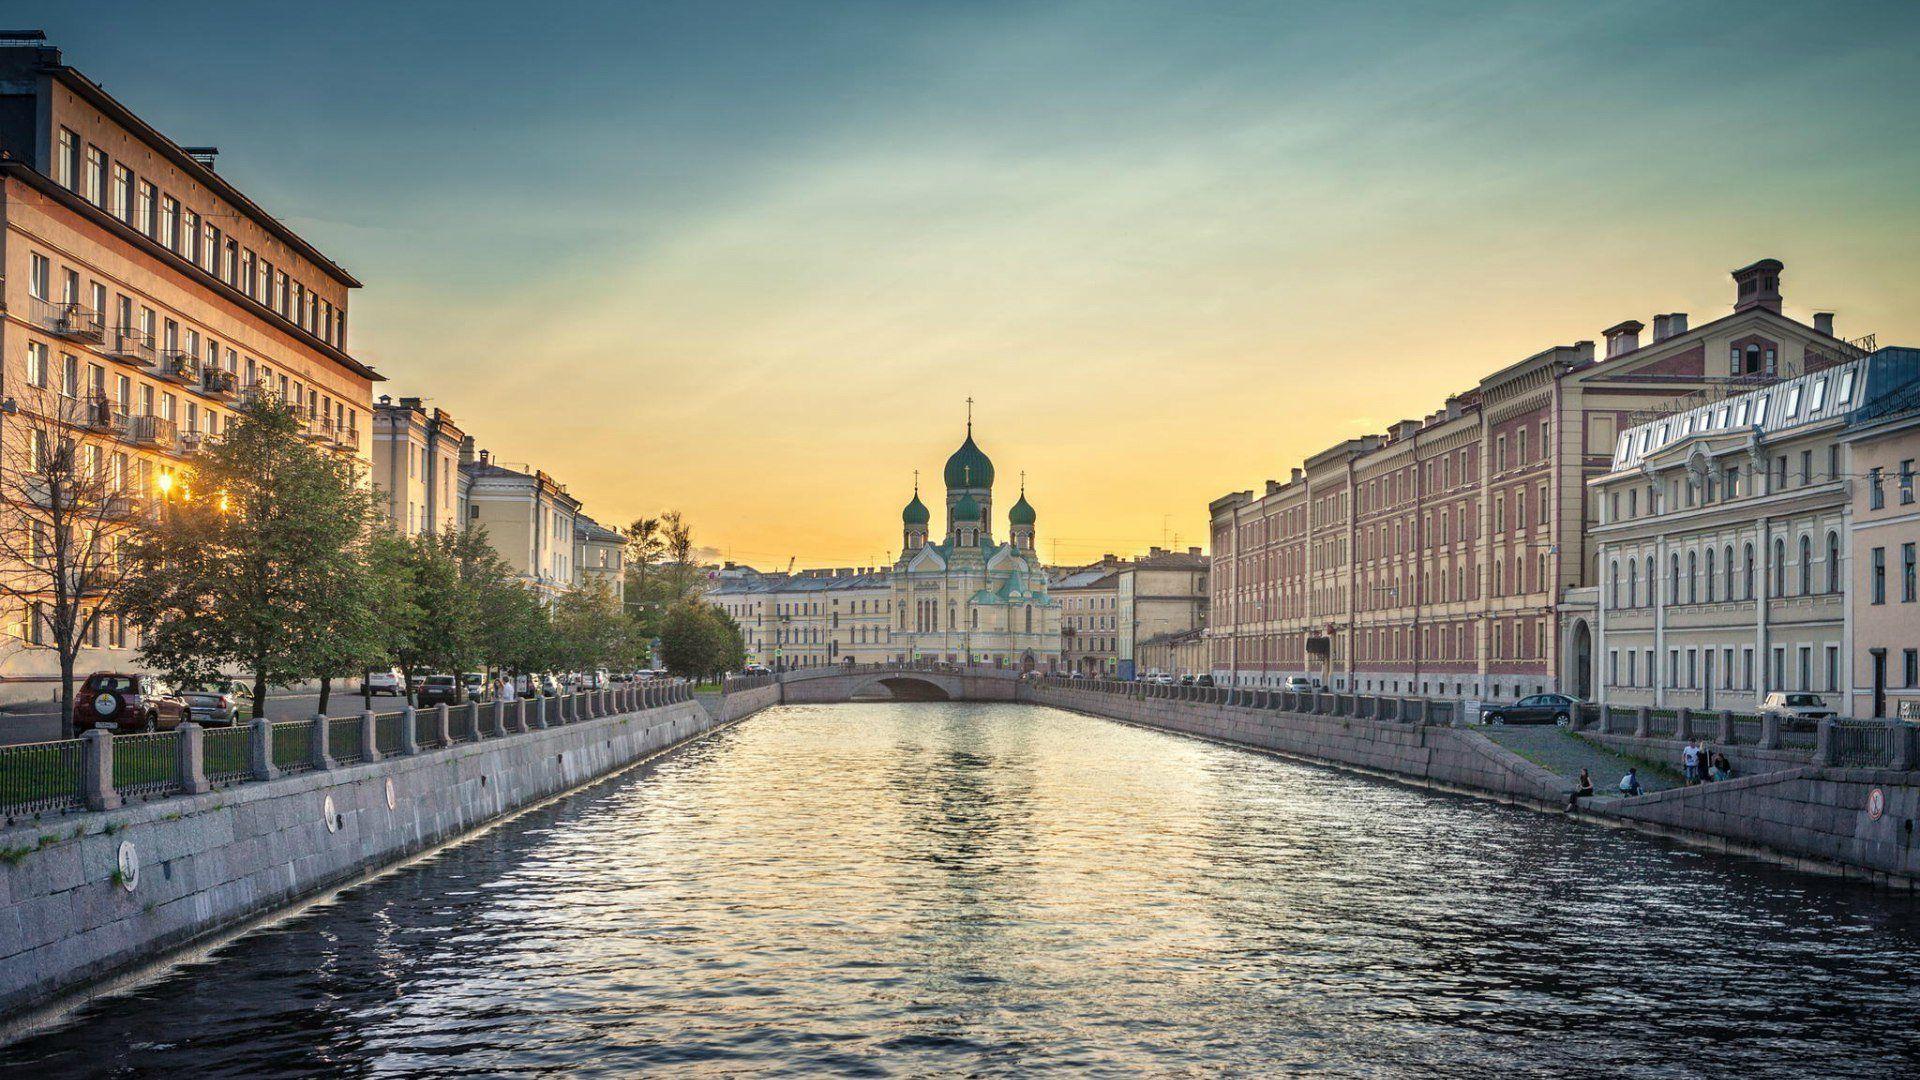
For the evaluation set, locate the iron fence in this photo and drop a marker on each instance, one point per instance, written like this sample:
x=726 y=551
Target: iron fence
x=146 y=766
x=38 y=778
x=344 y=744
x=426 y=729
x=226 y=754
x=293 y=746
x=389 y=732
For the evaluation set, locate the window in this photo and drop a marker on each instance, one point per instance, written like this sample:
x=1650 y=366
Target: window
x=144 y=217
x=1806 y=565
x=1779 y=566
x=66 y=161
x=1833 y=562
x=1709 y=577
x=1876 y=491
x=39 y=276
x=1907 y=572
x=96 y=178
x=123 y=193
x=169 y=223
x=36 y=364
x=1877 y=578
x=1793 y=400
x=1817 y=395
x=1906 y=482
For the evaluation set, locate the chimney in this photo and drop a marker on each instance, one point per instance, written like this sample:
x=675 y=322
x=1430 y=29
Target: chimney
x=1758 y=286
x=1823 y=322
x=466 y=450
x=484 y=457
x=1623 y=338
x=1295 y=477
x=1676 y=324
x=203 y=154
x=1659 y=328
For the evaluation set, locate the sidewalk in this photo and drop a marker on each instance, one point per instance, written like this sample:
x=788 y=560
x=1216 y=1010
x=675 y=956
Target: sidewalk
x=1560 y=751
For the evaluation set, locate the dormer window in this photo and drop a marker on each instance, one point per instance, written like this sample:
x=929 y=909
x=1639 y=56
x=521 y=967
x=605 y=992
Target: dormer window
x=1818 y=396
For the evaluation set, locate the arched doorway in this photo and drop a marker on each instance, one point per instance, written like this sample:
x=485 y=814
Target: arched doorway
x=1577 y=679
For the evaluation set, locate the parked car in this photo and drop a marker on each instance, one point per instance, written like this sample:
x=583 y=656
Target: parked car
x=1797 y=712
x=1204 y=680
x=548 y=685
x=476 y=685
x=124 y=701
x=442 y=690
x=387 y=683
x=1300 y=684
x=1537 y=709
x=215 y=706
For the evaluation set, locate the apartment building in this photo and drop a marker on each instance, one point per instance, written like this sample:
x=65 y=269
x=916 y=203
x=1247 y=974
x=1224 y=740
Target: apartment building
x=816 y=618
x=1449 y=556
x=1089 y=600
x=529 y=518
x=600 y=556
x=416 y=465
x=1159 y=594
x=1179 y=653
x=1883 y=536
x=143 y=294
x=1723 y=538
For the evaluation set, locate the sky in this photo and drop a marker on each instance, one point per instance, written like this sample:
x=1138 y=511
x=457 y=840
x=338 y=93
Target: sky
x=748 y=261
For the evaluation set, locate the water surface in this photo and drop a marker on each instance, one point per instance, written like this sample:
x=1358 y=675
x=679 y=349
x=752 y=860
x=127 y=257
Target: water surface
x=924 y=888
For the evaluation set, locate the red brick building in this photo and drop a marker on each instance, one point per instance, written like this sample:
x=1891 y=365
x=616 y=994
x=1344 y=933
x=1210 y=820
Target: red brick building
x=1448 y=556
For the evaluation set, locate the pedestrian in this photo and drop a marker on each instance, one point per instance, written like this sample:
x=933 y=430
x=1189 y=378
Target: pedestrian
x=1630 y=783
x=1690 y=762
x=508 y=692
x=1582 y=790
x=1722 y=768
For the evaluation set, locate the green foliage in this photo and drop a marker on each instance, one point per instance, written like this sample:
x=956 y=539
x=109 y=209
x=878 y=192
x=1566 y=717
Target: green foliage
x=591 y=631
x=699 y=641
x=261 y=562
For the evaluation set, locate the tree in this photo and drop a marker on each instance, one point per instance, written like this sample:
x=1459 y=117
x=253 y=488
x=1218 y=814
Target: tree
x=590 y=630
x=68 y=509
x=677 y=537
x=259 y=559
x=644 y=551
x=699 y=641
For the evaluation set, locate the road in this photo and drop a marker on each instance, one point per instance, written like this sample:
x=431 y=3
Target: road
x=42 y=725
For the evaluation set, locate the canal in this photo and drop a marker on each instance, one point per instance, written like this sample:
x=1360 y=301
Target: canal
x=932 y=888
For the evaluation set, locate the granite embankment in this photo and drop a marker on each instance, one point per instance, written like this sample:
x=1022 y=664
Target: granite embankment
x=1859 y=822
x=86 y=895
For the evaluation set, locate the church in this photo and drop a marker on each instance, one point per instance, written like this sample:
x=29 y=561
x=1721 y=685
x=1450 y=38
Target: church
x=969 y=597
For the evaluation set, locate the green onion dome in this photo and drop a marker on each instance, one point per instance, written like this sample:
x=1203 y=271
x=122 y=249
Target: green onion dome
x=916 y=512
x=1022 y=512
x=966 y=509
x=969 y=467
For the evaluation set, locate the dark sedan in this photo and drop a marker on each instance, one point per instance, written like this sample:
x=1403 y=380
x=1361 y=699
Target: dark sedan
x=441 y=690
x=1538 y=709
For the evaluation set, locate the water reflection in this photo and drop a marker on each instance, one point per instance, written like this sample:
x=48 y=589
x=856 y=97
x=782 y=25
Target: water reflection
x=884 y=889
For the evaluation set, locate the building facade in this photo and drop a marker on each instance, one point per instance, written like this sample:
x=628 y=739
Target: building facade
x=968 y=598
x=964 y=598
x=1883 y=451
x=529 y=518
x=1160 y=593
x=816 y=618
x=1089 y=601
x=1175 y=654
x=416 y=466
x=600 y=557
x=1449 y=556
x=144 y=295
x=1723 y=540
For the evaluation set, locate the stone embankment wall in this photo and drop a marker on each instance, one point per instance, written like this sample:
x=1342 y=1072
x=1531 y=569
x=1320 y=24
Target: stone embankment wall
x=85 y=895
x=1856 y=822
x=1445 y=757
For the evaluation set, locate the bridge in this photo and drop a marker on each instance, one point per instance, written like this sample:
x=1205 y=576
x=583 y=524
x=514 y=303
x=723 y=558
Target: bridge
x=898 y=682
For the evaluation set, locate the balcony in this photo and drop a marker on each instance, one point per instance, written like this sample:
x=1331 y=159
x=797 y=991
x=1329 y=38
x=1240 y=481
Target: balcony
x=69 y=320
x=219 y=383
x=121 y=506
x=97 y=412
x=133 y=345
x=154 y=431
x=177 y=366
x=191 y=443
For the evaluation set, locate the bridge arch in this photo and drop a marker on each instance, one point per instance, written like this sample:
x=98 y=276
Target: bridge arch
x=904 y=687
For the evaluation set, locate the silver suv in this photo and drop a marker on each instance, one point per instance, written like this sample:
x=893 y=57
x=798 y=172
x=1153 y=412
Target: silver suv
x=1797 y=711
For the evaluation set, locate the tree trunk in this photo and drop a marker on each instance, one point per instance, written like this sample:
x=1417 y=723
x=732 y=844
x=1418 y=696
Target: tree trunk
x=259 y=691
x=66 y=694
x=326 y=692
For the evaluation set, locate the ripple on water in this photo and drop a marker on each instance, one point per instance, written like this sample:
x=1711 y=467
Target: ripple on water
x=887 y=889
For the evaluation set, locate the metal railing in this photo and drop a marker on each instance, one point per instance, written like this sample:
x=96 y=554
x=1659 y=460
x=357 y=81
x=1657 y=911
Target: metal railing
x=226 y=754
x=75 y=774
x=37 y=778
x=389 y=733
x=146 y=766
x=1863 y=743
x=293 y=746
